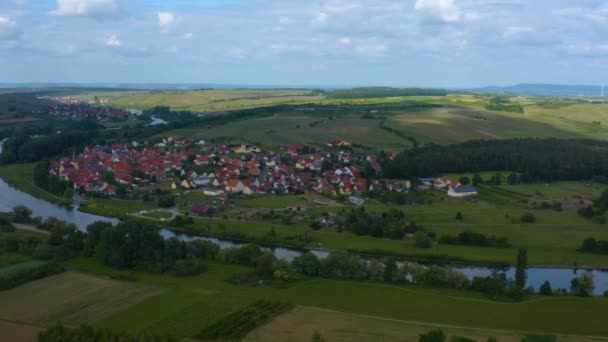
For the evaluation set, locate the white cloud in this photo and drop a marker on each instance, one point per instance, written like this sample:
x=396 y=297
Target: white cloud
x=346 y=40
x=88 y=8
x=321 y=18
x=439 y=10
x=165 y=21
x=9 y=29
x=188 y=35
x=113 y=41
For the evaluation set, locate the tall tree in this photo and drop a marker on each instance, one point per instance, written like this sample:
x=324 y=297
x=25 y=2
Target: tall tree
x=521 y=272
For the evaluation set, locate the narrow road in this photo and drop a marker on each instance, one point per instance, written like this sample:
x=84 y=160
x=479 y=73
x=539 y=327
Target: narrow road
x=30 y=228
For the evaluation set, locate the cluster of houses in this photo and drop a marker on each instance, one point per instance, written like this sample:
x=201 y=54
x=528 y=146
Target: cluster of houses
x=451 y=187
x=221 y=170
x=80 y=110
x=96 y=100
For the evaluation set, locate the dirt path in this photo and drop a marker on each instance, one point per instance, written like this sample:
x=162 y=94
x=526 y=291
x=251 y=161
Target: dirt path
x=30 y=228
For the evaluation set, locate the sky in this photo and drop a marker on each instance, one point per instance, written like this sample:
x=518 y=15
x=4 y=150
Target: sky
x=424 y=43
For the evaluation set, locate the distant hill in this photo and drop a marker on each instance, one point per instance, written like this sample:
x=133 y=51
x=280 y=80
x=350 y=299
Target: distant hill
x=546 y=89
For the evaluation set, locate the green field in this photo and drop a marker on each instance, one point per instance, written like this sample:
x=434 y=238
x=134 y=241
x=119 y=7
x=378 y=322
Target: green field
x=21 y=266
x=21 y=176
x=273 y=202
x=9 y=259
x=207 y=100
x=19 y=332
x=461 y=118
x=72 y=298
x=552 y=240
x=457 y=124
x=115 y=207
x=16 y=106
x=301 y=323
x=302 y=129
x=192 y=303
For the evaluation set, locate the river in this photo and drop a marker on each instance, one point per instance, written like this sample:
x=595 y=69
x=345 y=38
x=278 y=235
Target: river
x=10 y=197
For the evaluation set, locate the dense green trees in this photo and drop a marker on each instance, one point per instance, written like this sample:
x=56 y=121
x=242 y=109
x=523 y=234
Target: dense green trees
x=582 y=285
x=469 y=238
x=22 y=214
x=591 y=245
x=13 y=279
x=383 y=92
x=545 y=289
x=521 y=266
x=166 y=201
x=391 y=224
x=59 y=333
x=25 y=149
x=133 y=245
x=527 y=218
x=50 y=183
x=534 y=160
x=422 y=240
x=436 y=335
x=307 y=264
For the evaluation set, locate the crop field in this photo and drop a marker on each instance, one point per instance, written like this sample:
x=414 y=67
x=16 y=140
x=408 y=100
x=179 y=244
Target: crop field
x=558 y=191
x=461 y=118
x=72 y=298
x=300 y=324
x=457 y=124
x=207 y=100
x=14 y=106
x=19 y=332
x=303 y=129
x=193 y=303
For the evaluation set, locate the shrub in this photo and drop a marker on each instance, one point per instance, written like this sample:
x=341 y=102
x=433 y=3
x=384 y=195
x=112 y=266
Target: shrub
x=469 y=238
x=183 y=268
x=545 y=289
x=436 y=335
x=422 y=240
x=583 y=285
x=527 y=218
x=19 y=277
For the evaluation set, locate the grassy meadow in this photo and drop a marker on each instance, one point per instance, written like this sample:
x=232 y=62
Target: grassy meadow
x=302 y=322
x=310 y=129
x=207 y=100
x=458 y=118
x=21 y=176
x=192 y=303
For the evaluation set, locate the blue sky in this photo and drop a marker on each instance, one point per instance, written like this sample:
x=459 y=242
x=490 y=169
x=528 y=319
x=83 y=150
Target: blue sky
x=439 y=43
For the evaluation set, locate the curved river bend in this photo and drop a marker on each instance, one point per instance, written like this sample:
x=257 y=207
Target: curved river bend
x=11 y=197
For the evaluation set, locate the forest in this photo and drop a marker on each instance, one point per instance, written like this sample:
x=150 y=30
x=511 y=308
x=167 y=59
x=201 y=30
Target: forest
x=369 y=92
x=536 y=160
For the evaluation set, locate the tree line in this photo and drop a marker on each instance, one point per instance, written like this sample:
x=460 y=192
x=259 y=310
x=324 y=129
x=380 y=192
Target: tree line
x=535 y=160
x=369 y=92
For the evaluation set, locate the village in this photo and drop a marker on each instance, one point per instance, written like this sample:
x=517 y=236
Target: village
x=224 y=171
x=84 y=110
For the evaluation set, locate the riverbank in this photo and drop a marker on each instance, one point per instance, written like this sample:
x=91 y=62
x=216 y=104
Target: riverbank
x=21 y=177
